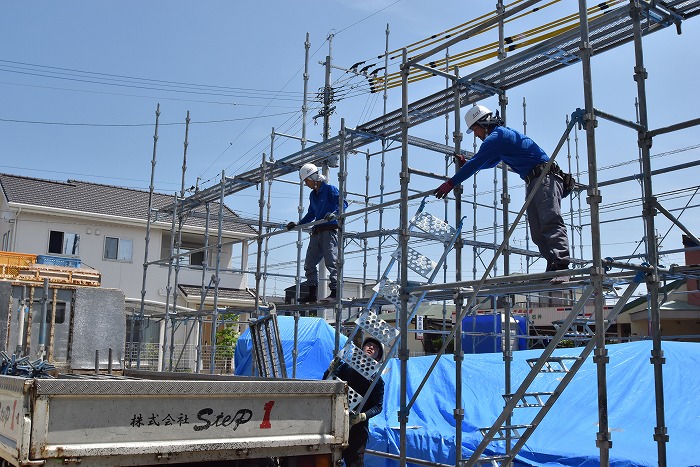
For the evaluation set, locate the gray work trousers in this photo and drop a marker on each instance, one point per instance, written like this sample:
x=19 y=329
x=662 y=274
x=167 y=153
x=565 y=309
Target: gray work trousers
x=546 y=224
x=322 y=245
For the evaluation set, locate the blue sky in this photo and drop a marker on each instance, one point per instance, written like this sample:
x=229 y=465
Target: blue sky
x=80 y=82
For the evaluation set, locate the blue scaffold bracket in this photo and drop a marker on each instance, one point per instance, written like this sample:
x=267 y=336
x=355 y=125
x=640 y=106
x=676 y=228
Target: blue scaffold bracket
x=422 y=205
x=577 y=116
x=13 y=365
x=639 y=277
x=608 y=268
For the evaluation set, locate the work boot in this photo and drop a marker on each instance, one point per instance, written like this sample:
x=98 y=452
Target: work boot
x=331 y=297
x=311 y=295
x=560 y=279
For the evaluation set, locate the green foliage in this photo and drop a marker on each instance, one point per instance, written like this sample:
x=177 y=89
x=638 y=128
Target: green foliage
x=227 y=336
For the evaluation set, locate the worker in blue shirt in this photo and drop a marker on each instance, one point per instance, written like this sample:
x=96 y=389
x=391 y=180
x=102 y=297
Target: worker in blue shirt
x=323 y=242
x=527 y=159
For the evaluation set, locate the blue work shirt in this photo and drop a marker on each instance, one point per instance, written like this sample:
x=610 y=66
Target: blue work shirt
x=505 y=145
x=321 y=202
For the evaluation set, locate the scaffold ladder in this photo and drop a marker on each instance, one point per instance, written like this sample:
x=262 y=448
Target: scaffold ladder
x=528 y=397
x=268 y=356
x=369 y=322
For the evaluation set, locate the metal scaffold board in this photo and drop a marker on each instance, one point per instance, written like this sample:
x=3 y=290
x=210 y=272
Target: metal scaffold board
x=612 y=29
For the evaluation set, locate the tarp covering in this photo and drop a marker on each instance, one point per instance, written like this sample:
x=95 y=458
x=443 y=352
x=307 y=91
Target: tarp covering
x=316 y=342
x=566 y=436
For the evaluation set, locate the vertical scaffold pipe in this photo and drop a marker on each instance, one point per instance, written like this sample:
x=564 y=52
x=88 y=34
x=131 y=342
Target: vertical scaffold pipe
x=217 y=272
x=297 y=290
x=139 y=317
x=180 y=222
x=268 y=208
x=459 y=301
x=448 y=83
x=505 y=202
x=380 y=239
x=403 y=268
x=203 y=290
x=600 y=358
x=652 y=282
x=168 y=286
x=258 y=256
x=342 y=188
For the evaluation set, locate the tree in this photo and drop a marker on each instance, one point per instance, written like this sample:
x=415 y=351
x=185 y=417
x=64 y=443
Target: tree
x=226 y=338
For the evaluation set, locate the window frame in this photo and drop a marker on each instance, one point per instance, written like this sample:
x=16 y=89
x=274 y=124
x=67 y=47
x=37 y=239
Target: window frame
x=118 y=251
x=52 y=242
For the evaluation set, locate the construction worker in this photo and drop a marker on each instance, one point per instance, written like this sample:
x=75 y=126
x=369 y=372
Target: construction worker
x=354 y=454
x=323 y=242
x=527 y=159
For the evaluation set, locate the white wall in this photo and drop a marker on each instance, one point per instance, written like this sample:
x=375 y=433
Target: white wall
x=32 y=236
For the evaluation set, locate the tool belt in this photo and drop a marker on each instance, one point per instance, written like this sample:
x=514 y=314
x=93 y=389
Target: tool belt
x=569 y=182
x=323 y=228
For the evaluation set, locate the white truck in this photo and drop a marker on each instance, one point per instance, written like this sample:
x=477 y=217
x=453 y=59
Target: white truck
x=137 y=418
x=157 y=419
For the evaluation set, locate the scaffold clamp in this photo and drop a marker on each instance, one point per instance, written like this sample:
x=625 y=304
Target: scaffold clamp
x=577 y=117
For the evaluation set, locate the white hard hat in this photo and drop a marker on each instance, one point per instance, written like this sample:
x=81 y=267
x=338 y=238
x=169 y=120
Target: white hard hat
x=475 y=114
x=307 y=170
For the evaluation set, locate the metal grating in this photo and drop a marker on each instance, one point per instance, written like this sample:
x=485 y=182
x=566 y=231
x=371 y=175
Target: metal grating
x=417 y=262
x=432 y=225
x=378 y=328
x=360 y=361
x=392 y=292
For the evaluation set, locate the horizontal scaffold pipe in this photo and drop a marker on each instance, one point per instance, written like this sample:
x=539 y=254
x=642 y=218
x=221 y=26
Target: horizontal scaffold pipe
x=628 y=178
x=621 y=121
x=675 y=127
x=353 y=213
x=497 y=280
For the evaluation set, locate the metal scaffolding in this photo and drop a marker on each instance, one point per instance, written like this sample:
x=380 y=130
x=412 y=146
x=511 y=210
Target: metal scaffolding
x=626 y=23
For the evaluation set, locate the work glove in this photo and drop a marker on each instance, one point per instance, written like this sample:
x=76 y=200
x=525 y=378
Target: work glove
x=291 y=225
x=356 y=418
x=460 y=160
x=330 y=216
x=444 y=189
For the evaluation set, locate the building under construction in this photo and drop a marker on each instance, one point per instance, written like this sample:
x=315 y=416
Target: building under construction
x=429 y=253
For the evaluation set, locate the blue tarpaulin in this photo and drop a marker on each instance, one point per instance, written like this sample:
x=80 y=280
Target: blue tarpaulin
x=565 y=437
x=315 y=348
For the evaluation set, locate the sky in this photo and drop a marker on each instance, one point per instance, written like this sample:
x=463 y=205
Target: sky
x=80 y=83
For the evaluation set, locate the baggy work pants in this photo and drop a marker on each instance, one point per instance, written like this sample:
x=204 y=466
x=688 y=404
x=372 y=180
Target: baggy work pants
x=322 y=245
x=546 y=224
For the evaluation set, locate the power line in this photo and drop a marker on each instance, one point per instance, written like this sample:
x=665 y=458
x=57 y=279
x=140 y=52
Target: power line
x=203 y=122
x=47 y=71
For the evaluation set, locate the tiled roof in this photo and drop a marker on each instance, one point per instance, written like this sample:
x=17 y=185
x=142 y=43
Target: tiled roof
x=95 y=198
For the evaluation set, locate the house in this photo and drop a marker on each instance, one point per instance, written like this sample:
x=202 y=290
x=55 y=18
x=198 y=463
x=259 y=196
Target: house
x=679 y=310
x=104 y=227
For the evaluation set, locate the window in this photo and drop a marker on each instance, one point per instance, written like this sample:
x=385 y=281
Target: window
x=197 y=259
x=190 y=259
x=64 y=243
x=118 y=249
x=60 y=311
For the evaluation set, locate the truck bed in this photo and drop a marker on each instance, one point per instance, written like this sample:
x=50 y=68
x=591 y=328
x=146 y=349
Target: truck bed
x=155 y=418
